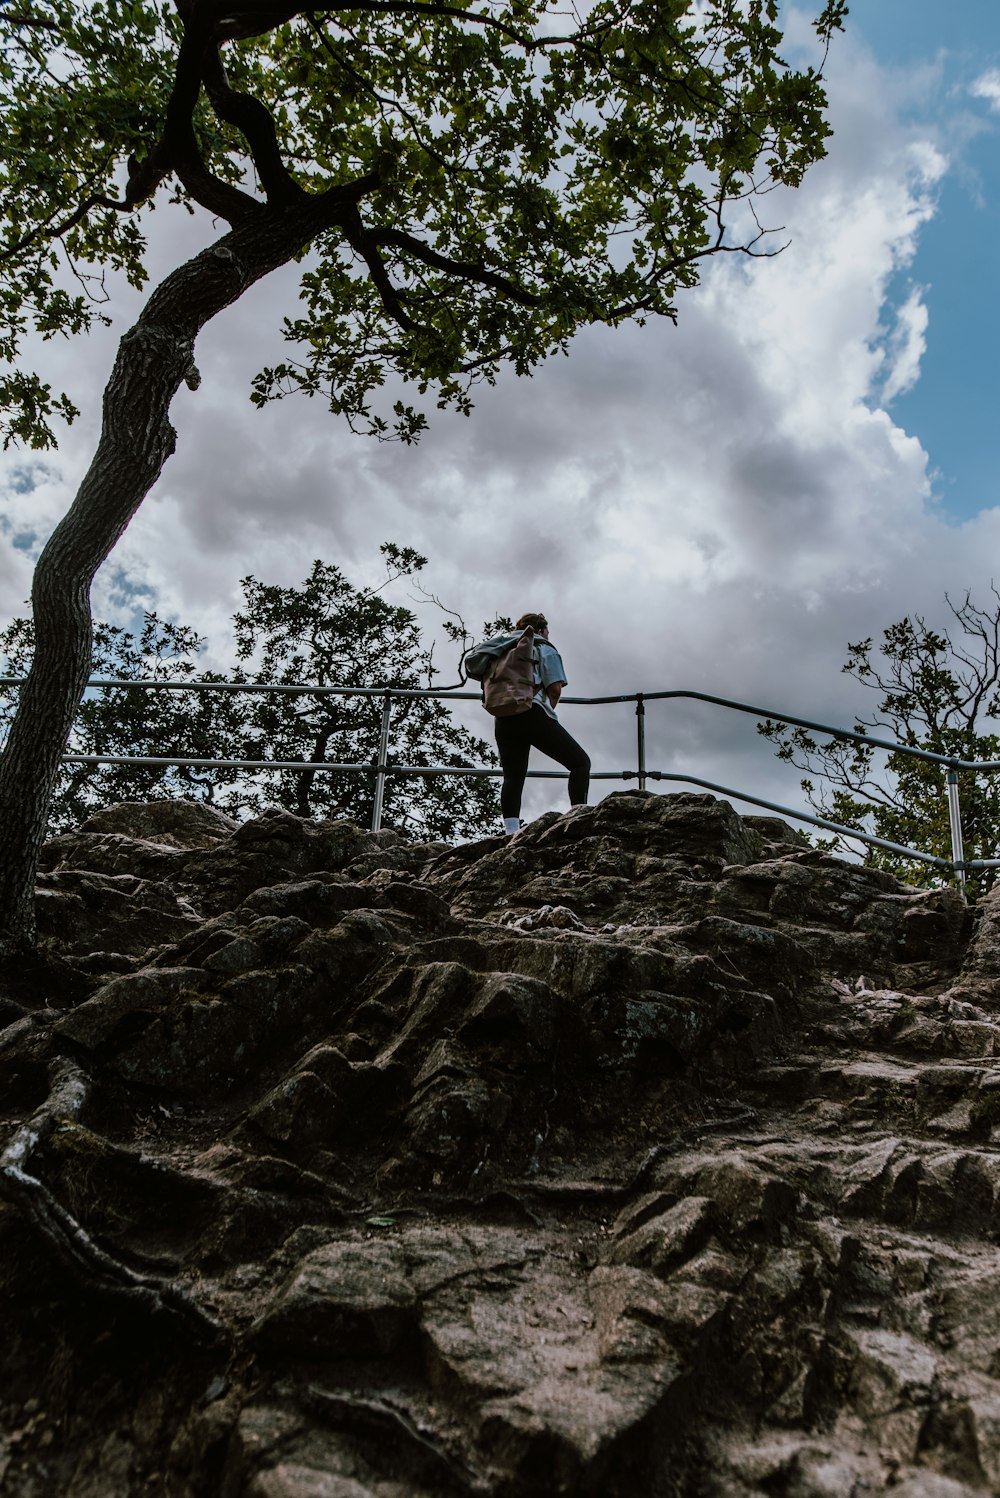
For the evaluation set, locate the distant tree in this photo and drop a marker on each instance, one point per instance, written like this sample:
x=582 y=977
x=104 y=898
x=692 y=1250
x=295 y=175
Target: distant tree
x=940 y=691
x=328 y=633
x=120 y=721
x=465 y=185
x=325 y=633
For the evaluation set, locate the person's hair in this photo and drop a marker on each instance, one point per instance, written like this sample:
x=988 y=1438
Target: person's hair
x=532 y=621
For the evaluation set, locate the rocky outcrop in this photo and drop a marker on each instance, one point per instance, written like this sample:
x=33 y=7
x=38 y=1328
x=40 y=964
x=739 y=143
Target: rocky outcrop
x=649 y=1152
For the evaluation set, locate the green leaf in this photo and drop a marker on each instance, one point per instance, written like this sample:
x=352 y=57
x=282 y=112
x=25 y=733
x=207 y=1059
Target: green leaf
x=552 y=182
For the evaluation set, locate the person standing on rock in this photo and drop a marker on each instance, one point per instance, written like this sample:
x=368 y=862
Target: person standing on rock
x=538 y=728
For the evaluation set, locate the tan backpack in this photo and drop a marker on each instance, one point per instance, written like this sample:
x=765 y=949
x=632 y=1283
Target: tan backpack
x=509 y=687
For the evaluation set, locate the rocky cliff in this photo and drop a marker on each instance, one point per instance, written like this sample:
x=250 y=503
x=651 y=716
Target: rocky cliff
x=649 y=1152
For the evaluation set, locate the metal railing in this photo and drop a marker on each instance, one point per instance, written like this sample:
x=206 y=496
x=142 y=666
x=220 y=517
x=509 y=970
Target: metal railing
x=957 y=864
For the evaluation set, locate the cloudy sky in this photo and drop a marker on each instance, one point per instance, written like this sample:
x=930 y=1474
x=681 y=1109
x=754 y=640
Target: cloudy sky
x=719 y=506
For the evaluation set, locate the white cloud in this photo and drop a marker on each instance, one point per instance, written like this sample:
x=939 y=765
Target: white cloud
x=987 y=86
x=907 y=345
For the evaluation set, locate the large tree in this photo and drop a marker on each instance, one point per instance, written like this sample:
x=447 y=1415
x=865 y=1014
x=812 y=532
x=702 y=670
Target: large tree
x=324 y=633
x=939 y=690
x=465 y=185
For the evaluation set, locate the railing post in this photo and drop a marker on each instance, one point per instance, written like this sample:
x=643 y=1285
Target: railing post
x=640 y=724
x=955 y=823
x=383 y=751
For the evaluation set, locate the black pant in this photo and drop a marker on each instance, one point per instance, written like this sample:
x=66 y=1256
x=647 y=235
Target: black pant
x=517 y=735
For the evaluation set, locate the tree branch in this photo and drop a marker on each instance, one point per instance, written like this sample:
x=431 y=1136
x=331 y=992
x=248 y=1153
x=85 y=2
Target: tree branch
x=33 y=23
x=364 y=242
x=254 y=17
x=177 y=149
x=256 y=124
x=658 y=274
x=342 y=195
x=96 y=200
x=466 y=270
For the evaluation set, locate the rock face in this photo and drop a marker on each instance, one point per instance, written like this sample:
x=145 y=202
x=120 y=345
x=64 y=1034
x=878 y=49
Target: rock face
x=651 y=1152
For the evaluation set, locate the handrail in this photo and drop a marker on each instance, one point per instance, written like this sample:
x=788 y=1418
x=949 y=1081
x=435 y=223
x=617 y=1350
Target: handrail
x=155 y=761
x=381 y=768
x=948 y=760
x=201 y=685
x=449 y=693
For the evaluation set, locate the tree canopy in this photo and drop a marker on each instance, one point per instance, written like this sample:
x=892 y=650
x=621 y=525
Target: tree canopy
x=939 y=691
x=484 y=178
x=324 y=633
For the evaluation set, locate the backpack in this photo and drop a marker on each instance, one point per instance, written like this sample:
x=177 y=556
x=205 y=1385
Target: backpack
x=506 y=674
x=509 y=685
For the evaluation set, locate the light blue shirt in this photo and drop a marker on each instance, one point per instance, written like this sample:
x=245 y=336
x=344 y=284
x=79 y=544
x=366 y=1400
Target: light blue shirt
x=549 y=668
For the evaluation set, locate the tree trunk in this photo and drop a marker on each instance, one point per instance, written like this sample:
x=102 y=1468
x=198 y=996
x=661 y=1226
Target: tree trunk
x=304 y=783
x=154 y=357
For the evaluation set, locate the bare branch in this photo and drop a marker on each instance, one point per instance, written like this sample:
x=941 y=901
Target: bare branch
x=458 y=631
